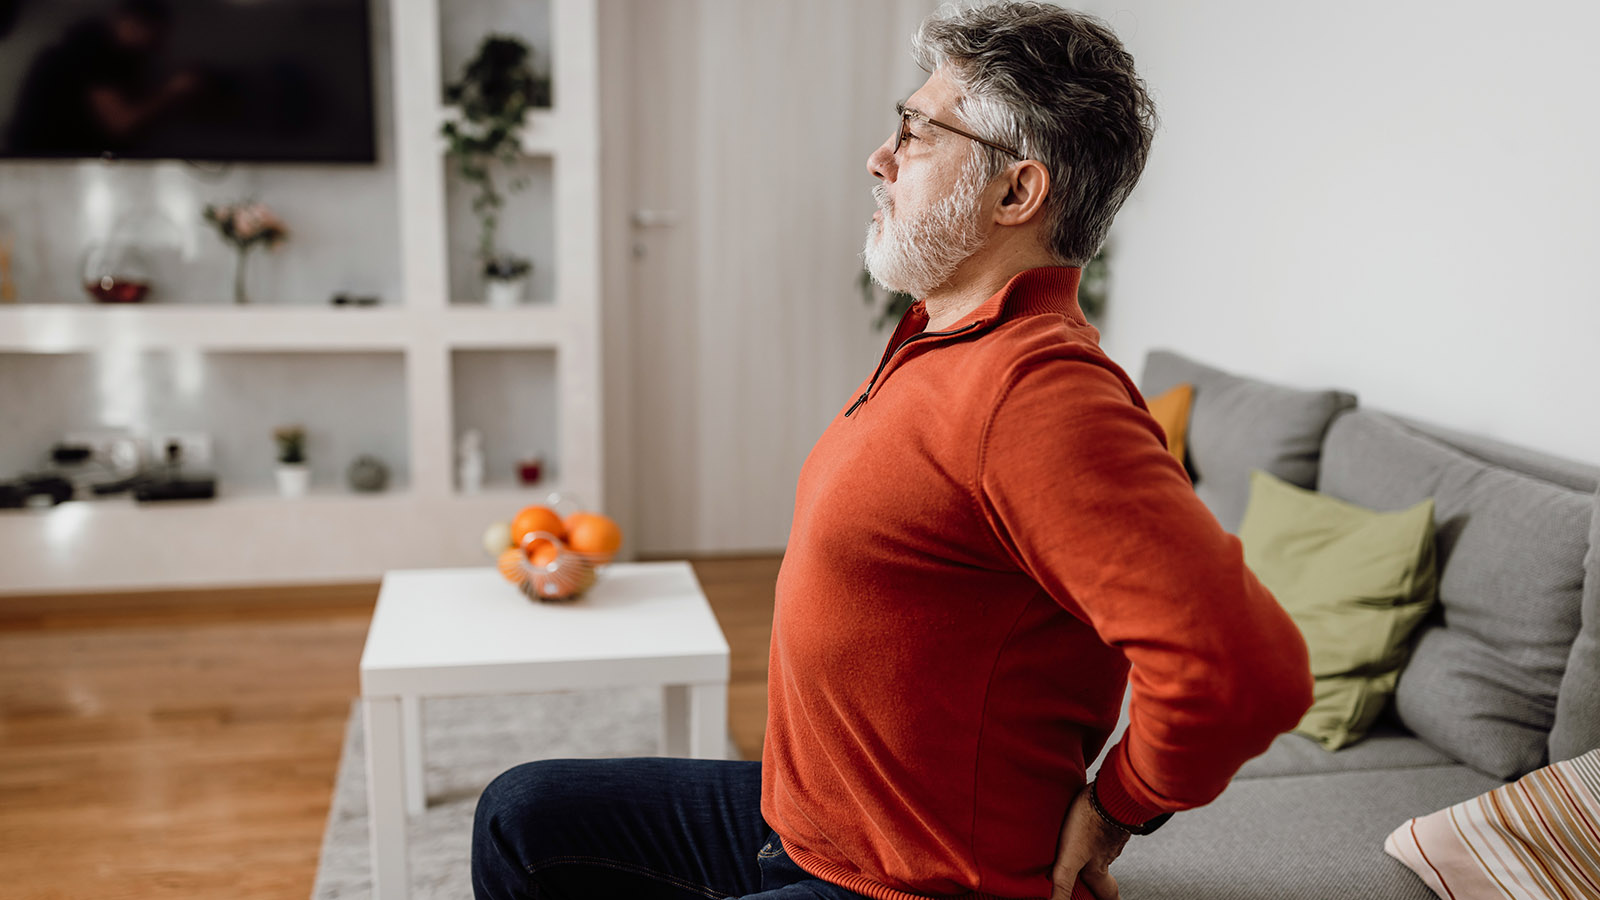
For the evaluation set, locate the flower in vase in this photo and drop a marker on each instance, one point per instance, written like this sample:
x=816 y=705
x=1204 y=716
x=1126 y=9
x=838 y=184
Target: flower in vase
x=244 y=225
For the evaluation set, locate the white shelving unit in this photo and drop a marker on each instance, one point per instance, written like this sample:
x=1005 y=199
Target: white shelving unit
x=252 y=538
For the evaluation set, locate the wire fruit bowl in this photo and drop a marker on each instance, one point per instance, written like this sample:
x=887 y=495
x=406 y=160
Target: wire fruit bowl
x=561 y=573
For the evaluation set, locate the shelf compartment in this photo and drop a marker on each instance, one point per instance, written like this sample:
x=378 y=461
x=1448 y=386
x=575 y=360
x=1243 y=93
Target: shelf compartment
x=526 y=228
x=349 y=403
x=512 y=398
x=464 y=23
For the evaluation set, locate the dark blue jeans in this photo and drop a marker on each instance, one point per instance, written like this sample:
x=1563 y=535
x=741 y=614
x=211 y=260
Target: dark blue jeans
x=646 y=827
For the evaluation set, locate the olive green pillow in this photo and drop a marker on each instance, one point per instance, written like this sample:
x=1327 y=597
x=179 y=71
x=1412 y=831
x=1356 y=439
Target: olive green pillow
x=1356 y=582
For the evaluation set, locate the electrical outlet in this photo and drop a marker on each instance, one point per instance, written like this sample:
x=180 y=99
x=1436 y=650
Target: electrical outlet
x=194 y=449
x=115 y=448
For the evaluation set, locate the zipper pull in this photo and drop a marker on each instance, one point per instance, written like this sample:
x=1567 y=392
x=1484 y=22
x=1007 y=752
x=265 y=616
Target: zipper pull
x=859 y=400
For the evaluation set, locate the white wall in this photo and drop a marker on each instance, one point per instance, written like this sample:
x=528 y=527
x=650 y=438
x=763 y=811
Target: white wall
x=1398 y=198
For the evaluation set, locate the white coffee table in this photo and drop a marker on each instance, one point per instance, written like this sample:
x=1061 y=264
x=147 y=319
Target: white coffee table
x=462 y=632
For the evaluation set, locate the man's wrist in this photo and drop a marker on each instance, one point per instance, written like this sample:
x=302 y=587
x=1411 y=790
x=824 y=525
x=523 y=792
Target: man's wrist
x=1142 y=828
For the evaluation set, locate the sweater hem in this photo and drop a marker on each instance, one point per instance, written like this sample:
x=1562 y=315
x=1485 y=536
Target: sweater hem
x=854 y=881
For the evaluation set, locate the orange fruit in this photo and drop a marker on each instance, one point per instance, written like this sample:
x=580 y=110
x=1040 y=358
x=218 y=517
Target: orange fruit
x=511 y=566
x=589 y=532
x=536 y=518
x=542 y=552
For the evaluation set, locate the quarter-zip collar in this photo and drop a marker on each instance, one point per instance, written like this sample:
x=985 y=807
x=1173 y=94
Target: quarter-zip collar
x=1047 y=289
x=1044 y=290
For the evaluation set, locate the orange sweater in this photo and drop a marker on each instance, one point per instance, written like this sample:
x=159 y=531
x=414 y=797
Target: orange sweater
x=980 y=550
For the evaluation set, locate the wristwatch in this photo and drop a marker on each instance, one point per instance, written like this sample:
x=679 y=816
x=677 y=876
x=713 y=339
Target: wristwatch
x=1146 y=828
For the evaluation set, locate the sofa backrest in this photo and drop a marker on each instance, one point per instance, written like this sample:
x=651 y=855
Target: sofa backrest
x=1485 y=677
x=1237 y=424
x=1505 y=674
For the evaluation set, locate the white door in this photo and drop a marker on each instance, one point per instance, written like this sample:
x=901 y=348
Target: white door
x=740 y=142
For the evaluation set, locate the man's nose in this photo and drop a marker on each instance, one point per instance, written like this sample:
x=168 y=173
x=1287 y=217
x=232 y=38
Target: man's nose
x=882 y=164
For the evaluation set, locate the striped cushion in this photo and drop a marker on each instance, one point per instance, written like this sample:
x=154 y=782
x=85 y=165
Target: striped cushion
x=1535 y=838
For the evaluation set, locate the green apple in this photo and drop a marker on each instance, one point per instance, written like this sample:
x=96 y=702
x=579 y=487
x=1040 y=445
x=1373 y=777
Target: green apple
x=497 y=538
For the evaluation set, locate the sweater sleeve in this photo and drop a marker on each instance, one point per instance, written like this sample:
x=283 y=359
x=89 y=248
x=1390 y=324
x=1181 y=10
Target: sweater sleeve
x=1077 y=483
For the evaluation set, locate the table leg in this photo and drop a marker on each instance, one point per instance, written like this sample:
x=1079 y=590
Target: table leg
x=708 y=720
x=411 y=721
x=675 y=720
x=386 y=814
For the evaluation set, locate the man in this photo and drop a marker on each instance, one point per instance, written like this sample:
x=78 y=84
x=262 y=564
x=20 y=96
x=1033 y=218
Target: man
x=985 y=539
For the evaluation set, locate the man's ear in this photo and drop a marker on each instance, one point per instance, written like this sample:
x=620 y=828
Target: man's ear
x=1026 y=185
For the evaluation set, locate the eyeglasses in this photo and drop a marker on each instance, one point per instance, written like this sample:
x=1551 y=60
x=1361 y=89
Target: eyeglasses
x=904 y=134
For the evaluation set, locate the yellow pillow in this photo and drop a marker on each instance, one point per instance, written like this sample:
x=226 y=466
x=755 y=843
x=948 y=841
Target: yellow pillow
x=1172 y=414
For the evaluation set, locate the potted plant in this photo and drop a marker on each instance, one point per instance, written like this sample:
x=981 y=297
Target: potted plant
x=493 y=97
x=294 y=475
x=505 y=280
x=244 y=226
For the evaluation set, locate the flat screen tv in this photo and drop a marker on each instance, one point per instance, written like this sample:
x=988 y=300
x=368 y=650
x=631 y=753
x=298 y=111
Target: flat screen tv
x=214 y=80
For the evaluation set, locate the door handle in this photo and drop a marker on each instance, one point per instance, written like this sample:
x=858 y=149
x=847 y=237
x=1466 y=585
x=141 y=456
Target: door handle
x=655 y=218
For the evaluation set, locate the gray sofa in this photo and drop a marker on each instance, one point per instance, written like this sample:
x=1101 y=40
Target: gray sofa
x=1504 y=675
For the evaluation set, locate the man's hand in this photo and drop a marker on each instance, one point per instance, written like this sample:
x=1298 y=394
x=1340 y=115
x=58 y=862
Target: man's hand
x=1085 y=850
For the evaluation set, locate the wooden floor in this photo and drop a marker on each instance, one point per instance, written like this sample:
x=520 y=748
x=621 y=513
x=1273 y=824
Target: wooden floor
x=185 y=745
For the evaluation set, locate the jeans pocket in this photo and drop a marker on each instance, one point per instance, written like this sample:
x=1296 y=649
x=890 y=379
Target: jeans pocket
x=773 y=848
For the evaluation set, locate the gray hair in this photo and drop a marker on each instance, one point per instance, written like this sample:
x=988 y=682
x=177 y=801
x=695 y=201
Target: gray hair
x=1058 y=86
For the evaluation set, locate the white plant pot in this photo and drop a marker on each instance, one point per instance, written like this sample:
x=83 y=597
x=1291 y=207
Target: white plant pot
x=504 y=293
x=293 y=479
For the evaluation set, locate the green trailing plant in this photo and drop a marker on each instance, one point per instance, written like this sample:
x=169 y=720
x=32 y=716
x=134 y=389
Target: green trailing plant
x=892 y=305
x=1092 y=287
x=493 y=98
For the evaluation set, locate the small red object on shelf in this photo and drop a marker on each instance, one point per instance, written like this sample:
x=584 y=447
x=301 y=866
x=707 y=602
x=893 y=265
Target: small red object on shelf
x=529 y=471
x=114 y=290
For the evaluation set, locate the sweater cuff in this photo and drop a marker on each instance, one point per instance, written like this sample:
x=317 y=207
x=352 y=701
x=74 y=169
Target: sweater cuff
x=1111 y=787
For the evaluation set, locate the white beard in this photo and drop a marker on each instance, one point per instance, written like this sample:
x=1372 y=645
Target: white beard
x=918 y=255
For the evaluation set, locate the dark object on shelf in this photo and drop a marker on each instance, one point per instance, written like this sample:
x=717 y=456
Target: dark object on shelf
x=70 y=454
x=351 y=300
x=106 y=488
x=368 y=474
x=175 y=489
x=529 y=471
x=19 y=493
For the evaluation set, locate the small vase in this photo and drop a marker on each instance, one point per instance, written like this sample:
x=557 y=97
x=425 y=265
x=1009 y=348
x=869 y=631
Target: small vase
x=293 y=479
x=504 y=293
x=240 y=296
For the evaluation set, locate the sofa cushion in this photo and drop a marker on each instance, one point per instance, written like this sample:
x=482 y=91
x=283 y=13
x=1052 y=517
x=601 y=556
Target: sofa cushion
x=1304 y=836
x=1577 y=727
x=1239 y=424
x=1171 y=412
x=1355 y=581
x=1482 y=681
x=1386 y=746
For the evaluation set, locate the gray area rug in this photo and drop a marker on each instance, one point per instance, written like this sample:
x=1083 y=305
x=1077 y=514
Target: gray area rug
x=467 y=741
